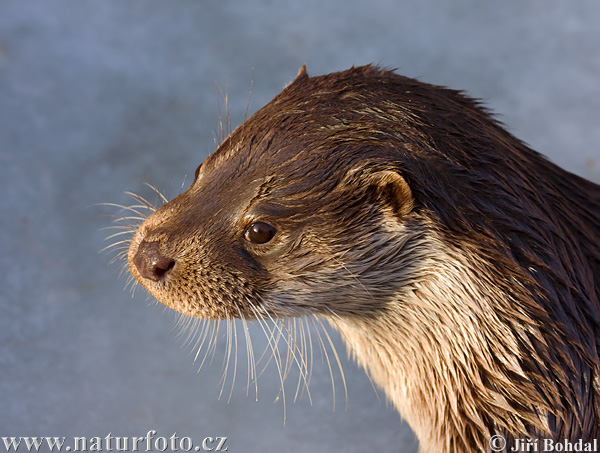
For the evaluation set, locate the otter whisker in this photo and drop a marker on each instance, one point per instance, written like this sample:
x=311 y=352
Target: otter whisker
x=300 y=352
x=232 y=346
x=316 y=321
x=133 y=208
x=275 y=355
x=202 y=328
x=354 y=276
x=226 y=357
x=120 y=250
x=123 y=207
x=130 y=227
x=310 y=349
x=231 y=343
x=235 y=358
x=243 y=126
x=337 y=359
x=131 y=282
x=145 y=204
x=123 y=243
x=124 y=267
x=125 y=230
x=291 y=349
x=288 y=326
x=135 y=221
x=324 y=355
x=249 y=98
x=204 y=334
x=121 y=254
x=307 y=372
x=294 y=350
x=270 y=337
x=212 y=347
x=366 y=335
x=249 y=356
x=128 y=282
x=127 y=226
x=302 y=344
x=114 y=235
x=158 y=192
x=212 y=335
x=223 y=130
x=187 y=326
x=188 y=330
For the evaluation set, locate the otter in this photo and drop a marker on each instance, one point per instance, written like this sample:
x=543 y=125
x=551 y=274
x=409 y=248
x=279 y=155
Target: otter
x=460 y=267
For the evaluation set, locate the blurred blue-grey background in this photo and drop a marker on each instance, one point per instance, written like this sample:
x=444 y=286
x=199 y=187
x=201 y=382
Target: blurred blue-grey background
x=97 y=98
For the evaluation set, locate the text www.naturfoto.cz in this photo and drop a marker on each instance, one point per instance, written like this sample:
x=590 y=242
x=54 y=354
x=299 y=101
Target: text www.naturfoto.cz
x=149 y=442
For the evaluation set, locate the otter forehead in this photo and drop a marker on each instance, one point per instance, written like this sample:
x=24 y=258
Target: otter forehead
x=316 y=123
x=319 y=127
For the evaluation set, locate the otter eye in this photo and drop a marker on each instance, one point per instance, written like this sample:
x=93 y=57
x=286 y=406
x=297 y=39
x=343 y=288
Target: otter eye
x=260 y=233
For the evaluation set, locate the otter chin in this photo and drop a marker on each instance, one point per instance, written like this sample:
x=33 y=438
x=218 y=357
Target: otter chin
x=460 y=267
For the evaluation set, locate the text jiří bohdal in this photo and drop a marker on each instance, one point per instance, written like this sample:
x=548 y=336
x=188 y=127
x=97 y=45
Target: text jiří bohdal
x=547 y=445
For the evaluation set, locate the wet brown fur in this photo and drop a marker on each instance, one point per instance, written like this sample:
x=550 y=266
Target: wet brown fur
x=460 y=266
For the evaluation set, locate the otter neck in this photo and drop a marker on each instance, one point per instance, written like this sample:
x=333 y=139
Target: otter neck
x=436 y=366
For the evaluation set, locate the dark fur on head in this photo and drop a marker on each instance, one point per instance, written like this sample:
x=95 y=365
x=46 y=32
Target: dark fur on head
x=460 y=266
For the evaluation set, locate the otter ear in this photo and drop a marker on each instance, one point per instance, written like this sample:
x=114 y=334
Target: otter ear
x=302 y=74
x=388 y=187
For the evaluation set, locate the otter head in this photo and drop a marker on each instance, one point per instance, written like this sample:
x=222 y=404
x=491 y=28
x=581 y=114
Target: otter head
x=288 y=217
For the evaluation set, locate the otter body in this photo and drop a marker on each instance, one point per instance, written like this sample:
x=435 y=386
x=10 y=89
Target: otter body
x=461 y=268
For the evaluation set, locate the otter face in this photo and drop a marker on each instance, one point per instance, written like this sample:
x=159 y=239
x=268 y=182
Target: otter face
x=292 y=215
x=294 y=236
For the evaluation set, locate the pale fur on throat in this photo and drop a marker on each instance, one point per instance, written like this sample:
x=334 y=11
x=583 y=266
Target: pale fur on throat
x=431 y=352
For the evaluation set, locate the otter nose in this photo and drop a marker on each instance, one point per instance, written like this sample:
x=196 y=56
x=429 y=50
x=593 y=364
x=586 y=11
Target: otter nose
x=150 y=263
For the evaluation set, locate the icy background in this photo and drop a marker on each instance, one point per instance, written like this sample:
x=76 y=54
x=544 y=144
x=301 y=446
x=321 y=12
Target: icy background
x=97 y=98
